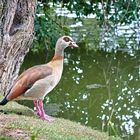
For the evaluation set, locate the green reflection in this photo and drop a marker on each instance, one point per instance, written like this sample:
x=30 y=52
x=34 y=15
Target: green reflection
x=98 y=89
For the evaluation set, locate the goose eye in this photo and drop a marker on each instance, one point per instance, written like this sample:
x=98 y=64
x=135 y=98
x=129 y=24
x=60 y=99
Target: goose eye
x=66 y=39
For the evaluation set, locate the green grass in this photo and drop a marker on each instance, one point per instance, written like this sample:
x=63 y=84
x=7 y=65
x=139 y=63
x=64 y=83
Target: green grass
x=28 y=125
x=5 y=138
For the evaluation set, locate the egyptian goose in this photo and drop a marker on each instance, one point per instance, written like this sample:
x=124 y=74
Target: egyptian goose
x=36 y=82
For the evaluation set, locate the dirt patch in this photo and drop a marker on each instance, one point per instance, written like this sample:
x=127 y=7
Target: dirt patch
x=16 y=134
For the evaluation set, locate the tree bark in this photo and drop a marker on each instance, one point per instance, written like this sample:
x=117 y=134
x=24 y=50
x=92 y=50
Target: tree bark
x=16 y=36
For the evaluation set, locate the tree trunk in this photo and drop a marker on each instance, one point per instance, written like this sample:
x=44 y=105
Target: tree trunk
x=16 y=36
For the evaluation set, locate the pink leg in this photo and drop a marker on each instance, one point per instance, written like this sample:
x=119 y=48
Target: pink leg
x=44 y=116
x=36 y=103
x=40 y=111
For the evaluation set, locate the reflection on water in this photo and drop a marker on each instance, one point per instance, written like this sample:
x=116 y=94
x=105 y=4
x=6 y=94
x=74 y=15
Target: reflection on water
x=99 y=89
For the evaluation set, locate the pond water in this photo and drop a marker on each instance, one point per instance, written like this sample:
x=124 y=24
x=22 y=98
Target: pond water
x=97 y=89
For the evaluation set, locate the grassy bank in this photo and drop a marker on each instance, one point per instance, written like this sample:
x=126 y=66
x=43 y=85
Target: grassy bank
x=20 y=122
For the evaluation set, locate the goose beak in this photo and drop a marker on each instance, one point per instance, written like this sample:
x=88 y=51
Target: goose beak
x=73 y=44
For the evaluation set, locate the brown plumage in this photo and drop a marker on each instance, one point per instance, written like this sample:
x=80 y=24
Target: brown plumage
x=37 y=81
x=27 y=79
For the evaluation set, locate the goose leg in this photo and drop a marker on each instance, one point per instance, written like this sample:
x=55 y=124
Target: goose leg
x=36 y=103
x=40 y=111
x=44 y=116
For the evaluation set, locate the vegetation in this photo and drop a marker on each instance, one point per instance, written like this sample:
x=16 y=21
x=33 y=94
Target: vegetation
x=47 y=28
x=125 y=11
x=20 y=122
x=108 y=14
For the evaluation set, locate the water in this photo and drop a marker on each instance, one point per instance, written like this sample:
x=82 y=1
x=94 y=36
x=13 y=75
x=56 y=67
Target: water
x=97 y=89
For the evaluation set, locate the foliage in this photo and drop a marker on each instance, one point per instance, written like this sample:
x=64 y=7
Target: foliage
x=46 y=27
x=124 y=11
x=109 y=13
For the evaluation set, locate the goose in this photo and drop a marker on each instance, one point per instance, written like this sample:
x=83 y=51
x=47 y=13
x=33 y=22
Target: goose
x=36 y=82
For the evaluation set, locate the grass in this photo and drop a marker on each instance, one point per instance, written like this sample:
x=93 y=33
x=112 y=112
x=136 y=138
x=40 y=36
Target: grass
x=5 y=138
x=20 y=122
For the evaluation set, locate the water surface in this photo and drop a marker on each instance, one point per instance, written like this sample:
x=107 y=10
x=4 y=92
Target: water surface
x=97 y=89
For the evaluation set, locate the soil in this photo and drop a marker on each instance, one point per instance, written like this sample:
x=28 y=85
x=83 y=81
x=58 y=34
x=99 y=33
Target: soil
x=16 y=134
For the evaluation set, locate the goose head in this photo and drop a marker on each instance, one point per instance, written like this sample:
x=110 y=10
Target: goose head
x=66 y=41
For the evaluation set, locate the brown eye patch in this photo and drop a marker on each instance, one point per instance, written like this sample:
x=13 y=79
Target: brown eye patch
x=66 y=39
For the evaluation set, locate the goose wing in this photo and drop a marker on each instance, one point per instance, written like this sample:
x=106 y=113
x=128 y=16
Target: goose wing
x=27 y=79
